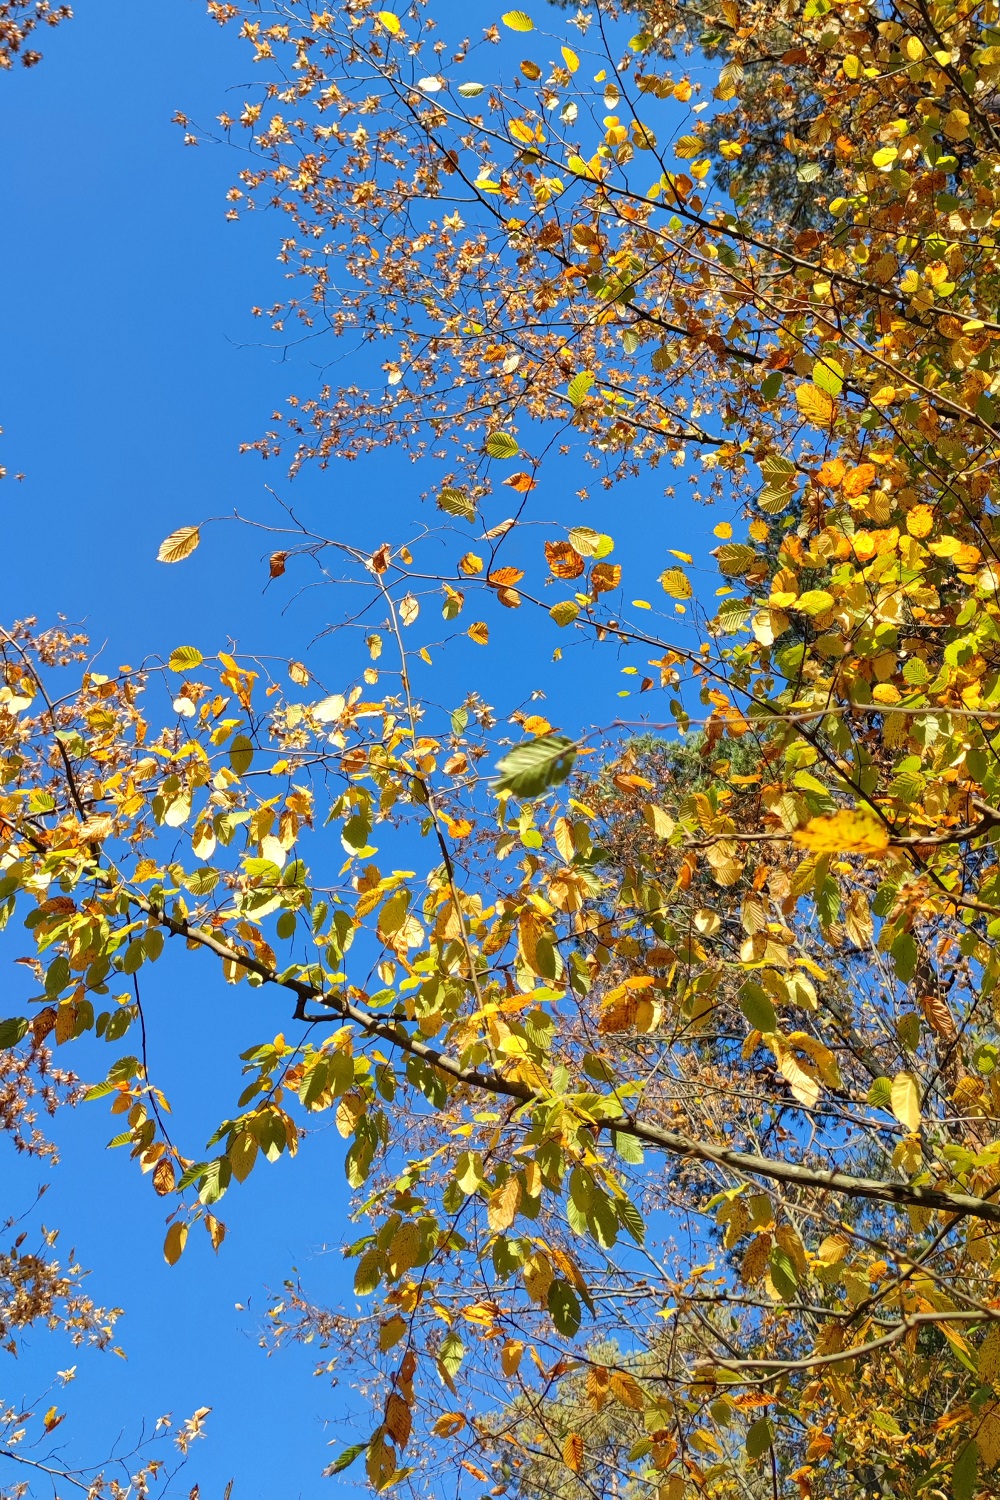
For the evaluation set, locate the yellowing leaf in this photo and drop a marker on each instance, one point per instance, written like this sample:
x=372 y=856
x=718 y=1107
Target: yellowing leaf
x=179 y=544
x=570 y=59
x=389 y=20
x=185 y=658
x=502 y=445
x=479 y=632
x=676 y=583
x=518 y=20
x=815 y=405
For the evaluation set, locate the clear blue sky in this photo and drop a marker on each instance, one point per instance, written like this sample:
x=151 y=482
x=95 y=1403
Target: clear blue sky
x=129 y=376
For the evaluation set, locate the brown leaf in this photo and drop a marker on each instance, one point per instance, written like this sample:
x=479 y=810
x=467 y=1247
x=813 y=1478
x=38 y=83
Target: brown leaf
x=398 y=1421
x=277 y=564
x=563 y=560
x=163 y=1176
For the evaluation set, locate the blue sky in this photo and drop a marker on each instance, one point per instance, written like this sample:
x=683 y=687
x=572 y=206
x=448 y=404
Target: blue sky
x=130 y=373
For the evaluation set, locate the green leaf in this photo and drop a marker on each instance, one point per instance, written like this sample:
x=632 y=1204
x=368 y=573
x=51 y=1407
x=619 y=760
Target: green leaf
x=531 y=768
x=828 y=374
x=630 y=1219
x=347 y=1458
x=456 y=502
x=734 y=613
x=880 y=1093
x=757 y=1008
x=579 y=386
x=470 y=90
x=185 y=658
x=760 y=1437
x=783 y=1273
x=502 y=445
x=564 y=1306
x=964 y=1474
x=12 y=1031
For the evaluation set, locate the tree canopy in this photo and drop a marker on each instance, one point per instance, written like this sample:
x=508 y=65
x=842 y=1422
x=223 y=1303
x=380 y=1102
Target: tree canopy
x=664 y=1051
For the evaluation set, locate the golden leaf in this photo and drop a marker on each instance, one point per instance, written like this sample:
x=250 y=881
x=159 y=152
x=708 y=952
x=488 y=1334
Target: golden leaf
x=572 y=1452
x=479 y=632
x=449 y=1424
x=815 y=405
x=856 y=481
x=173 y=1245
x=598 y=1383
x=626 y=1389
x=503 y=1204
x=676 y=583
x=179 y=544
x=844 y=833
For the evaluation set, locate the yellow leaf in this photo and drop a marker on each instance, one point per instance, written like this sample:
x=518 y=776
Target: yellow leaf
x=723 y=530
x=389 y=20
x=479 y=632
x=570 y=59
x=905 y=1100
x=449 y=1424
x=659 y=821
x=573 y=1452
x=815 y=405
x=510 y=1356
x=179 y=544
x=503 y=1204
x=676 y=583
x=173 y=1245
x=627 y=1390
x=844 y=833
x=518 y=20
x=920 y=521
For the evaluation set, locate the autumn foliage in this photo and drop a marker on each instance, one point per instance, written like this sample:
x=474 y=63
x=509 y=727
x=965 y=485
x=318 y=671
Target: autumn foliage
x=668 y=1084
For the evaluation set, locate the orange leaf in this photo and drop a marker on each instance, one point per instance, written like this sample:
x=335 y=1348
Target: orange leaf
x=522 y=483
x=859 y=480
x=573 y=1452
